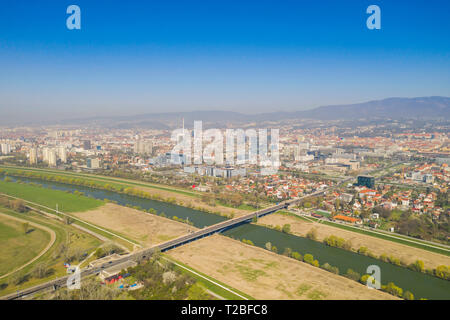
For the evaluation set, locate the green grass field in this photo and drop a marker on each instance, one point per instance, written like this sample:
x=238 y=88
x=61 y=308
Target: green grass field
x=67 y=202
x=65 y=234
x=17 y=248
x=118 y=183
x=115 y=181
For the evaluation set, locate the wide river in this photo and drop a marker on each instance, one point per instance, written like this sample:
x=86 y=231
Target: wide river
x=421 y=285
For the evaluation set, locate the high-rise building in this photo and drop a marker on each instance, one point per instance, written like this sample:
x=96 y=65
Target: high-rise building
x=52 y=158
x=62 y=153
x=33 y=155
x=45 y=154
x=301 y=153
x=143 y=147
x=5 y=148
x=87 y=145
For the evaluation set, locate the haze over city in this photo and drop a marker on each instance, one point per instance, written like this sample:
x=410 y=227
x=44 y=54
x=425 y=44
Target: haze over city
x=251 y=57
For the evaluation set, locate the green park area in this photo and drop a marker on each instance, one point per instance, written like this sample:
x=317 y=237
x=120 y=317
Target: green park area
x=20 y=243
x=67 y=202
x=71 y=245
x=90 y=180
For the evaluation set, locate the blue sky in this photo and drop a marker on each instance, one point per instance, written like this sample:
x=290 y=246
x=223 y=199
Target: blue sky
x=135 y=56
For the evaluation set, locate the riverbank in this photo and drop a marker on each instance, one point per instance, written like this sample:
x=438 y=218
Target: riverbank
x=266 y=275
x=184 y=198
x=375 y=245
x=67 y=202
x=145 y=228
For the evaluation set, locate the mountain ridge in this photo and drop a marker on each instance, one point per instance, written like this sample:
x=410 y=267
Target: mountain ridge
x=433 y=107
x=397 y=108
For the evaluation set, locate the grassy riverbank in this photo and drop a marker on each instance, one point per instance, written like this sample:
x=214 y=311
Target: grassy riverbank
x=67 y=202
x=143 y=190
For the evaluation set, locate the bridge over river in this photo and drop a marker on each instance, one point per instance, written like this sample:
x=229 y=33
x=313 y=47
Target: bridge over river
x=147 y=252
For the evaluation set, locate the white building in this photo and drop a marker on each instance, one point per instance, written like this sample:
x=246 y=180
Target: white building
x=52 y=158
x=93 y=163
x=5 y=148
x=45 y=153
x=62 y=153
x=143 y=147
x=33 y=156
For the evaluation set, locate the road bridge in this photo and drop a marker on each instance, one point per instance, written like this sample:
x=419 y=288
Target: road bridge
x=147 y=252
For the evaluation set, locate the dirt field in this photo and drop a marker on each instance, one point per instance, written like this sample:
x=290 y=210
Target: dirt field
x=376 y=245
x=148 y=229
x=193 y=201
x=266 y=275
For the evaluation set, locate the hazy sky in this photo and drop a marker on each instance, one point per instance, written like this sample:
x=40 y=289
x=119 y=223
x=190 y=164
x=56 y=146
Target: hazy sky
x=138 y=56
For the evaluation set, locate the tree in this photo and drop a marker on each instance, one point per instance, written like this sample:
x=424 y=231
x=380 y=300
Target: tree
x=352 y=275
x=14 y=279
x=286 y=228
x=287 y=252
x=17 y=279
x=383 y=257
x=408 y=295
x=297 y=256
x=418 y=266
x=25 y=227
x=442 y=272
x=312 y=234
x=308 y=258
x=18 y=205
x=363 y=250
x=268 y=246
x=393 y=289
x=347 y=245
x=68 y=220
x=90 y=290
x=330 y=268
x=364 y=278
x=41 y=270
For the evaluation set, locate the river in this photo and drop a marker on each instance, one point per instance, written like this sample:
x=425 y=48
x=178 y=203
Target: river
x=420 y=284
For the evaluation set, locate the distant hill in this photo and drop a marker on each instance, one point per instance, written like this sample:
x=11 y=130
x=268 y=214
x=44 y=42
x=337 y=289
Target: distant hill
x=395 y=108
x=391 y=108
